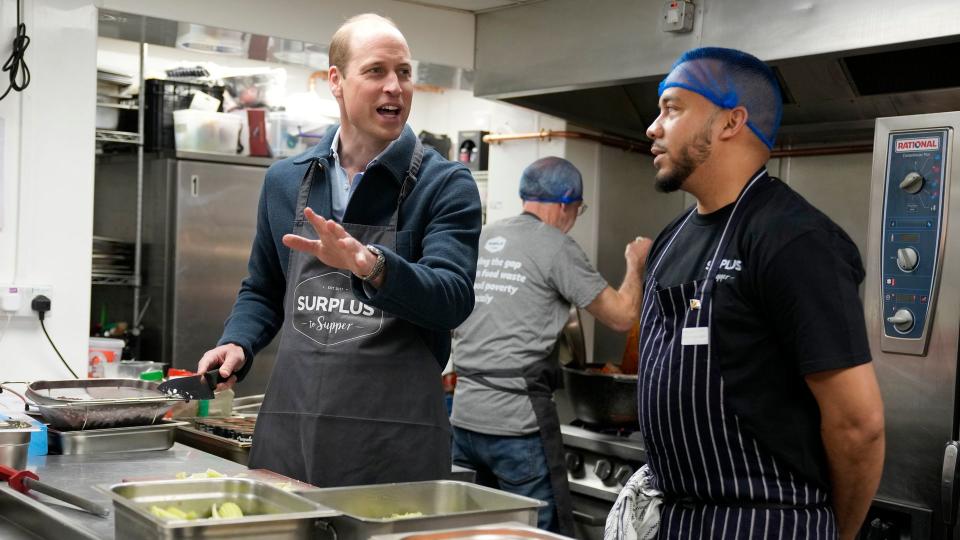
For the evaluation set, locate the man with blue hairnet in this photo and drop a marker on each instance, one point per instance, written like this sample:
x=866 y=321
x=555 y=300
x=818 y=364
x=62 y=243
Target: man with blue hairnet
x=759 y=407
x=528 y=274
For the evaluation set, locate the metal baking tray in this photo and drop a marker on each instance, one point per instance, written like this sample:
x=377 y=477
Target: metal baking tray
x=445 y=504
x=269 y=512
x=104 y=441
x=232 y=449
x=99 y=403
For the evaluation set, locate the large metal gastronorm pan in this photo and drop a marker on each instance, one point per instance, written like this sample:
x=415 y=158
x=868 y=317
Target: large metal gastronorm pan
x=444 y=504
x=99 y=403
x=122 y=439
x=269 y=512
x=496 y=531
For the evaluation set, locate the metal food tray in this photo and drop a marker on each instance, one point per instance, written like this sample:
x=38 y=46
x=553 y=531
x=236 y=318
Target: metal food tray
x=99 y=403
x=445 y=504
x=104 y=441
x=496 y=531
x=232 y=449
x=269 y=512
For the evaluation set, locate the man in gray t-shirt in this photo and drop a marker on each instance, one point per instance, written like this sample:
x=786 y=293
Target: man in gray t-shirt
x=529 y=272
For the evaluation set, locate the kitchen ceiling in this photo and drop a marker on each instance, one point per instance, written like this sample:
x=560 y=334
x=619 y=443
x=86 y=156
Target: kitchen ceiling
x=471 y=6
x=839 y=68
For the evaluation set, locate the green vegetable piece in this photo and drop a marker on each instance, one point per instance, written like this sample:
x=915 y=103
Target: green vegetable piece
x=229 y=510
x=162 y=513
x=180 y=514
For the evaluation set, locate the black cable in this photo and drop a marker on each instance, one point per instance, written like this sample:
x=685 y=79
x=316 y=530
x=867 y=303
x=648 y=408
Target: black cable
x=55 y=348
x=16 y=65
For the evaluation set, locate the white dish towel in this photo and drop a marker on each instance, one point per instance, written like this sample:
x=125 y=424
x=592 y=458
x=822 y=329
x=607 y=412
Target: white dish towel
x=636 y=514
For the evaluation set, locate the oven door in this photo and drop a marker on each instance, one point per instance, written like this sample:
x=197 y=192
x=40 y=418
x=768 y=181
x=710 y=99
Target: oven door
x=590 y=516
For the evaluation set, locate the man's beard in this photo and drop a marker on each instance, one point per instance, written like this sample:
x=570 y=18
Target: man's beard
x=687 y=160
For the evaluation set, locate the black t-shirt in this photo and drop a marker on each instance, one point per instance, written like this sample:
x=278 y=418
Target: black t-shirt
x=785 y=306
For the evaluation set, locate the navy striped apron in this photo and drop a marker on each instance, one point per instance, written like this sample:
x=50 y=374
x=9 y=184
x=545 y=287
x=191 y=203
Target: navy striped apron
x=717 y=480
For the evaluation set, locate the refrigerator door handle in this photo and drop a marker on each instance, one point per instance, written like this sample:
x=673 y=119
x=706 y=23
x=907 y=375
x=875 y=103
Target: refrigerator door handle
x=949 y=479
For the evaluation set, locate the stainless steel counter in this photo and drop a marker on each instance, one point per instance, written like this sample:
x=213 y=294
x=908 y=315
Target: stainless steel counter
x=80 y=474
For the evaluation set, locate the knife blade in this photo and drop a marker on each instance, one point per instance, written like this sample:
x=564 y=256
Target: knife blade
x=194 y=387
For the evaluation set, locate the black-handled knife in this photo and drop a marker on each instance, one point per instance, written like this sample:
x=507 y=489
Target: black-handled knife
x=194 y=387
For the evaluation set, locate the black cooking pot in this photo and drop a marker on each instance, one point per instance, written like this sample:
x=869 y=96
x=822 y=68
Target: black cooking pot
x=601 y=399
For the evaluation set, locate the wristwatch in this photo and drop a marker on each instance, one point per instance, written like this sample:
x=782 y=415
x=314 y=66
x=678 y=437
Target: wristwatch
x=377 y=266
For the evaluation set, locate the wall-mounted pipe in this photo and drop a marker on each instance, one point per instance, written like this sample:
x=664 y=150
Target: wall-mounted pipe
x=643 y=147
x=630 y=145
x=822 y=150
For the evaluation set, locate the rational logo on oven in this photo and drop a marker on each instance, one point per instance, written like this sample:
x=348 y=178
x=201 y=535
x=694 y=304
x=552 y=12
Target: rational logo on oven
x=916 y=145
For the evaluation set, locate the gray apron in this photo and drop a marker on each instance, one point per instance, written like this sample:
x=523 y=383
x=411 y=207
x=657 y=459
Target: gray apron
x=355 y=396
x=718 y=482
x=542 y=378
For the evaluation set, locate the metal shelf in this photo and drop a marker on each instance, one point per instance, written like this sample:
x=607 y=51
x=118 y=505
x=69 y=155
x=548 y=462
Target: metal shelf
x=115 y=95
x=128 y=137
x=104 y=279
x=118 y=79
x=118 y=106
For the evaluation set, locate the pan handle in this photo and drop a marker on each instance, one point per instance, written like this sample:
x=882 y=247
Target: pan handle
x=588 y=519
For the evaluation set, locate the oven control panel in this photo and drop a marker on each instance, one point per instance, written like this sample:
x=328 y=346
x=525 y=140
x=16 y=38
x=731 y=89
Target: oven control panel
x=913 y=223
x=598 y=475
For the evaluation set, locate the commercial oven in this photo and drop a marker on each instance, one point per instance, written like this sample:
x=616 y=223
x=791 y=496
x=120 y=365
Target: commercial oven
x=912 y=306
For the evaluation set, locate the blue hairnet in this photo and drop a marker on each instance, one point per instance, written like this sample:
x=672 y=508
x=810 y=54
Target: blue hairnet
x=551 y=179
x=728 y=78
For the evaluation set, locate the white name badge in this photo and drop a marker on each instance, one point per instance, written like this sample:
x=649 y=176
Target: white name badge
x=695 y=336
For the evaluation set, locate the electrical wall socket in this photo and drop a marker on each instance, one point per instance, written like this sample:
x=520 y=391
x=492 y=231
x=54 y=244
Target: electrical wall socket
x=26 y=295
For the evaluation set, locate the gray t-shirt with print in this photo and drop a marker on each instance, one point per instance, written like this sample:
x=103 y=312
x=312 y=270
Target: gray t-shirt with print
x=528 y=274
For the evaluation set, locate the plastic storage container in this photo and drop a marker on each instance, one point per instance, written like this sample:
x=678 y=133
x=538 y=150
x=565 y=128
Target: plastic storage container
x=161 y=99
x=107 y=117
x=203 y=131
x=289 y=136
x=104 y=357
x=131 y=369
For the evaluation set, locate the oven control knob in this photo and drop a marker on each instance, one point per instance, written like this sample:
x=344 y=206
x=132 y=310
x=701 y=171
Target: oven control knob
x=603 y=469
x=907 y=259
x=574 y=461
x=912 y=183
x=623 y=473
x=902 y=320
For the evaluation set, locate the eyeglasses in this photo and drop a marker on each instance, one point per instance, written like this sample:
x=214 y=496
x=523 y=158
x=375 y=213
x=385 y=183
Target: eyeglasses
x=582 y=210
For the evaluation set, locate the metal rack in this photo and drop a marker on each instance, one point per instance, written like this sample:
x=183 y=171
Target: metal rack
x=101 y=276
x=107 y=135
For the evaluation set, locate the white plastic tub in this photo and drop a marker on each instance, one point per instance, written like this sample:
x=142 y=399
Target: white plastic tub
x=104 y=357
x=204 y=131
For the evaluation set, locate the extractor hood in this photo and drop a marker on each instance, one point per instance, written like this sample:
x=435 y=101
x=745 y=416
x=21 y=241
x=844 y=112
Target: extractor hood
x=840 y=64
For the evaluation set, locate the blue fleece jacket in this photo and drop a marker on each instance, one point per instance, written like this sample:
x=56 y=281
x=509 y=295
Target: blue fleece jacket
x=429 y=277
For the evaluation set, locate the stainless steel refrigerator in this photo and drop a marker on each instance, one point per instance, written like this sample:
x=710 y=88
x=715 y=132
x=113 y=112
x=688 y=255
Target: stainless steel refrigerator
x=199 y=220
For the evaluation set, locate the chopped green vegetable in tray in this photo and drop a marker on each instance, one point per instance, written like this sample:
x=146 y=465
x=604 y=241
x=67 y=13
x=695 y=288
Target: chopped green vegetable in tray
x=405 y=515
x=227 y=510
